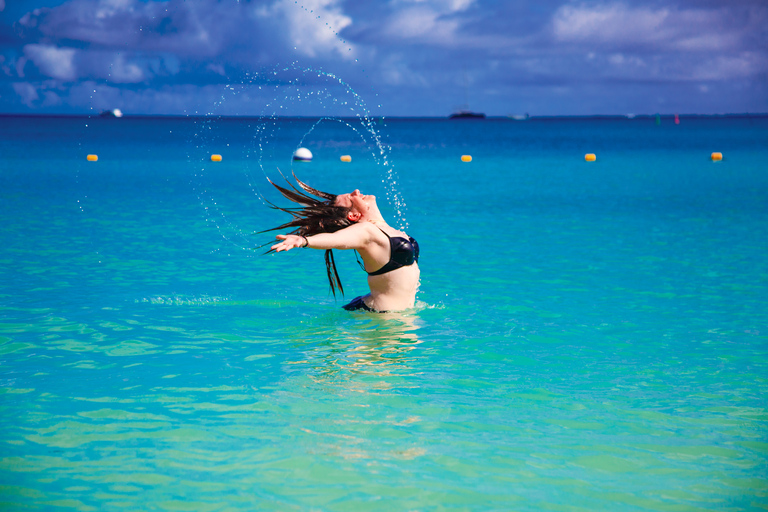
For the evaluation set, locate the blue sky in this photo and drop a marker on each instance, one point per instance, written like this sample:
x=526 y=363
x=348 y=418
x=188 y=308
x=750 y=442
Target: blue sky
x=384 y=57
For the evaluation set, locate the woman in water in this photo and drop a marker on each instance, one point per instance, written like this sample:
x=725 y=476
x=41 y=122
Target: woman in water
x=353 y=221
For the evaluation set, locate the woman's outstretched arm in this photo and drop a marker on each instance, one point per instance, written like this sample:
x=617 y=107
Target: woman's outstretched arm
x=356 y=236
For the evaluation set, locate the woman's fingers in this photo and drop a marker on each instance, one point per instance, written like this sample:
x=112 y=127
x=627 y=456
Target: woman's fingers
x=280 y=246
x=285 y=245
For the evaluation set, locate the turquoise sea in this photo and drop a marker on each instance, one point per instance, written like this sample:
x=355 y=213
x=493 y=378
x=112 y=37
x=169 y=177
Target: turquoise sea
x=588 y=335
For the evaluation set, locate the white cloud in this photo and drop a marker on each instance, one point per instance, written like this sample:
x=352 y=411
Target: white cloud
x=440 y=6
x=724 y=67
x=620 y=59
x=50 y=99
x=182 y=27
x=52 y=61
x=608 y=23
x=123 y=72
x=216 y=68
x=31 y=19
x=460 y=5
x=662 y=28
x=70 y=65
x=108 y=8
x=20 y=63
x=313 y=27
x=169 y=99
x=202 y=30
x=423 y=24
x=396 y=71
x=664 y=43
x=27 y=92
x=707 y=41
x=428 y=21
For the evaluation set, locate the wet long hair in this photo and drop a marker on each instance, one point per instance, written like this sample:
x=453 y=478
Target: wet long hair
x=313 y=216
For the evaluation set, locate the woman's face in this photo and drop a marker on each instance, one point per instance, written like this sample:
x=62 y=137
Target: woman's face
x=356 y=201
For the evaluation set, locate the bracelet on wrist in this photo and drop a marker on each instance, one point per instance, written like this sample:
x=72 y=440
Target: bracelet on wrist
x=306 y=242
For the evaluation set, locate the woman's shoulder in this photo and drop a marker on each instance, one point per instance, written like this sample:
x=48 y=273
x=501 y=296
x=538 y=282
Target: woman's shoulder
x=376 y=233
x=364 y=230
x=360 y=227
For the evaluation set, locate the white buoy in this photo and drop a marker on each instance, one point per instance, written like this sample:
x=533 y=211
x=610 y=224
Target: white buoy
x=302 y=154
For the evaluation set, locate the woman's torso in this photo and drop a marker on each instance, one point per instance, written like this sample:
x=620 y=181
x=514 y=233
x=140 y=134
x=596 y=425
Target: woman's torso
x=395 y=289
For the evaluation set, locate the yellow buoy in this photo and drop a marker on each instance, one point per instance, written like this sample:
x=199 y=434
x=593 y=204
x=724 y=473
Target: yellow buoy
x=346 y=158
x=466 y=158
x=92 y=158
x=717 y=156
x=590 y=157
x=215 y=158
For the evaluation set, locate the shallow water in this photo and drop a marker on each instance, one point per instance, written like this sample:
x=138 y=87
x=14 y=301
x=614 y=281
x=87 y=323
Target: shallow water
x=588 y=335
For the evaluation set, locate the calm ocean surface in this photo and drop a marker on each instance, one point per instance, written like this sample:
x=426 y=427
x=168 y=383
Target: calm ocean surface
x=588 y=336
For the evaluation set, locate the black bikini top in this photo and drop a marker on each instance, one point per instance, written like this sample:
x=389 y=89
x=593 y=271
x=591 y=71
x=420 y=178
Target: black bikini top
x=403 y=252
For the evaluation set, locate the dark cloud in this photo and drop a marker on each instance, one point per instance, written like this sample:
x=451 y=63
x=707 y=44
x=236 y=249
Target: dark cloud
x=414 y=57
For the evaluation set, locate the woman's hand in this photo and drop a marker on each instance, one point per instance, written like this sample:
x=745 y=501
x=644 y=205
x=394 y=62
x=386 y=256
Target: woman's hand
x=289 y=242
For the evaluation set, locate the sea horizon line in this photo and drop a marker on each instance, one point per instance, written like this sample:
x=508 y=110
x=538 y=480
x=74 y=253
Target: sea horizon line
x=515 y=118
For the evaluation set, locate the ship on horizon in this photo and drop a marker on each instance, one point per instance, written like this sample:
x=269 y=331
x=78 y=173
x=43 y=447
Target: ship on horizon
x=466 y=114
x=115 y=112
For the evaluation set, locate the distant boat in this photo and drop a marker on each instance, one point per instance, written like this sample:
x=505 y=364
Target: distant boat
x=519 y=117
x=115 y=112
x=466 y=114
x=462 y=111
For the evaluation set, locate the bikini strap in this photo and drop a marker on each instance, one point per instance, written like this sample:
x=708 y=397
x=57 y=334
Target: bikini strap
x=387 y=234
x=358 y=259
x=360 y=263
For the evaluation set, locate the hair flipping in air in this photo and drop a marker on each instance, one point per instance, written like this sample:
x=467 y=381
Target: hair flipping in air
x=312 y=217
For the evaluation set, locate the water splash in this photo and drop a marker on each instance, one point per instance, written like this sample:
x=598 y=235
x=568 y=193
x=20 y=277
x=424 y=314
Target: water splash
x=265 y=100
x=182 y=300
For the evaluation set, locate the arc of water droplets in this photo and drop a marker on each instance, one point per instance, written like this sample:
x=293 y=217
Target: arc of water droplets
x=390 y=180
x=366 y=131
x=212 y=213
